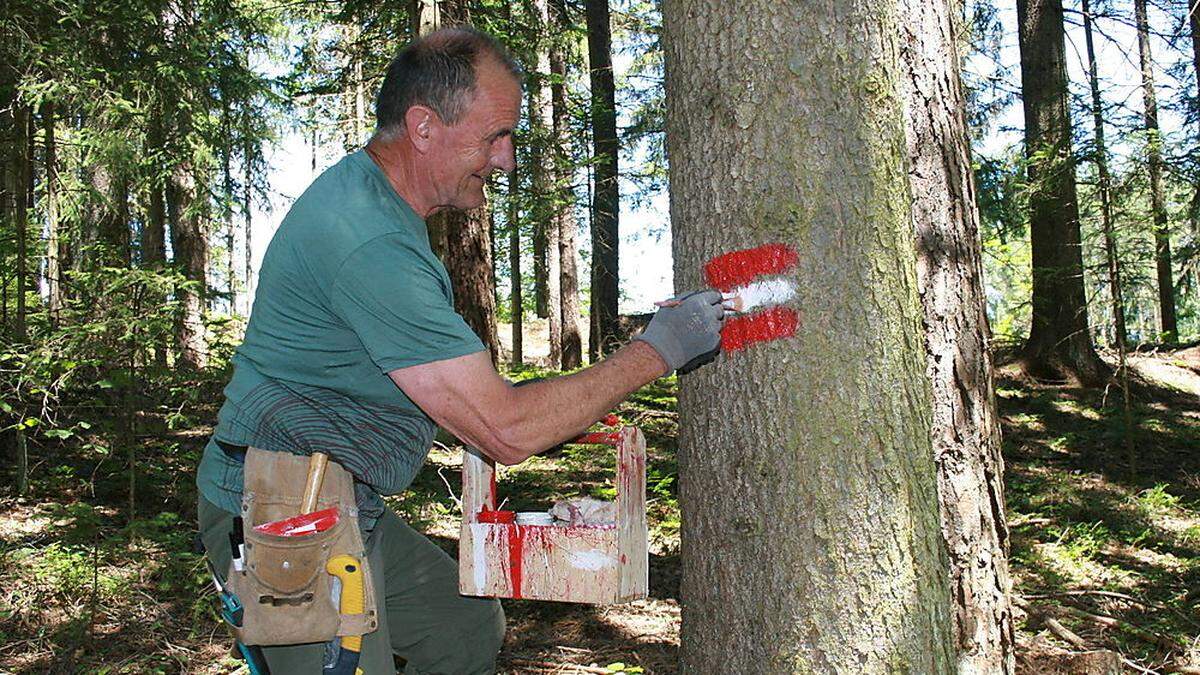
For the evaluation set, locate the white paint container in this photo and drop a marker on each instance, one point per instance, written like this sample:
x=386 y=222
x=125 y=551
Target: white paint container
x=534 y=518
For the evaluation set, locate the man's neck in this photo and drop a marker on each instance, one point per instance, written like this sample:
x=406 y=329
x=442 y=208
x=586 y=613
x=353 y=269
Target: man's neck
x=397 y=165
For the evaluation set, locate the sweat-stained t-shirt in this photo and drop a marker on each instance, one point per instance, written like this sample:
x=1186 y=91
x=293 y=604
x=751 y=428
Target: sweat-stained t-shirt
x=349 y=290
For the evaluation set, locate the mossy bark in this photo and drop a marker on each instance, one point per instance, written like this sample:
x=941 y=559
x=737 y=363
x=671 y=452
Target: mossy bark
x=810 y=511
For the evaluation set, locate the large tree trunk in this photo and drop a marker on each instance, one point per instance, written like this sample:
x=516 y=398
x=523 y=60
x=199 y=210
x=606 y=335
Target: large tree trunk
x=606 y=202
x=966 y=432
x=811 y=538
x=1162 y=239
x=564 y=195
x=1059 y=344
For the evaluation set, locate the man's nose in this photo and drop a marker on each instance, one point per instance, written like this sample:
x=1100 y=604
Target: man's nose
x=505 y=157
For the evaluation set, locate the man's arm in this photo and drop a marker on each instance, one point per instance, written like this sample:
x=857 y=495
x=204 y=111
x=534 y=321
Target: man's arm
x=468 y=398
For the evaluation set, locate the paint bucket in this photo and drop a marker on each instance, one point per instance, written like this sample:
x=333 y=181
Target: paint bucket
x=534 y=518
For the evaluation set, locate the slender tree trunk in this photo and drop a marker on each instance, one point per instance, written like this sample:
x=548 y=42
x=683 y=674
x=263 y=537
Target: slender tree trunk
x=1194 y=211
x=1162 y=238
x=189 y=242
x=810 y=515
x=20 y=176
x=966 y=432
x=1112 y=260
x=606 y=205
x=1059 y=344
x=227 y=215
x=425 y=17
x=543 y=169
x=564 y=195
x=54 y=294
x=248 y=225
x=516 y=304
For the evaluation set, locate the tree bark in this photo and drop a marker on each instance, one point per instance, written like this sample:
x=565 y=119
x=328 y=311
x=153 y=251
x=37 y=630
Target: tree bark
x=966 y=432
x=1162 y=238
x=189 y=242
x=248 y=223
x=469 y=264
x=20 y=176
x=1059 y=344
x=544 y=176
x=516 y=303
x=54 y=292
x=564 y=195
x=1194 y=23
x=810 y=516
x=606 y=202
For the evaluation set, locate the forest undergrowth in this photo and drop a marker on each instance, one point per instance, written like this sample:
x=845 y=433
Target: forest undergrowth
x=1105 y=541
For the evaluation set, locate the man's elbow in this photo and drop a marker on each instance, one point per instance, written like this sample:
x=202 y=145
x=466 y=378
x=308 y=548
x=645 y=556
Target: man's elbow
x=508 y=448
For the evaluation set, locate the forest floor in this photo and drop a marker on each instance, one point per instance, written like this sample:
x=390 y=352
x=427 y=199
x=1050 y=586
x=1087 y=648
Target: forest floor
x=1105 y=543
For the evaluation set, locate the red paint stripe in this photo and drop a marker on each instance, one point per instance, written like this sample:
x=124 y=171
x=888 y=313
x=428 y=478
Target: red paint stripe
x=488 y=516
x=516 y=553
x=599 y=438
x=738 y=268
x=742 y=331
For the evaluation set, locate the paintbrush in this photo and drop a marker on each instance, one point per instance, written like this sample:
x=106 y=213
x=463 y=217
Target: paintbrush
x=755 y=294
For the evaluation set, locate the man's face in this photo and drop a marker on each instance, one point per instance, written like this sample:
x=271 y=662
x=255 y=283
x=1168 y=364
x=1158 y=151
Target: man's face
x=466 y=153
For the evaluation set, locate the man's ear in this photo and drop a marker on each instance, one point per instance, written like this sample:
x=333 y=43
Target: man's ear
x=420 y=123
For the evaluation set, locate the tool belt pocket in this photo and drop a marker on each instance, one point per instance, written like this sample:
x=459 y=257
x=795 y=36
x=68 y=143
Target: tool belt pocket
x=287 y=595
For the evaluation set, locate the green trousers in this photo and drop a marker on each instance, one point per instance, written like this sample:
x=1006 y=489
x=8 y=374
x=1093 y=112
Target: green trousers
x=422 y=617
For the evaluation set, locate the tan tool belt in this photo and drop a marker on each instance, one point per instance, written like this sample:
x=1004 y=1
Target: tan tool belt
x=284 y=588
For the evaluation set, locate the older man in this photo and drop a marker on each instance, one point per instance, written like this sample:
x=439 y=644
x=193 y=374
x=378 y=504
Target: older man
x=354 y=349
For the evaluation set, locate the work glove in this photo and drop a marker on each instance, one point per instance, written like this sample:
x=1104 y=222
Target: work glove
x=686 y=331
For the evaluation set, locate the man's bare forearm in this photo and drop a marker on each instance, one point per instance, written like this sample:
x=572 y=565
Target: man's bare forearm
x=552 y=411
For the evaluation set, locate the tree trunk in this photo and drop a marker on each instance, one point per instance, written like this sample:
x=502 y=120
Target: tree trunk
x=1162 y=238
x=606 y=204
x=564 y=195
x=516 y=304
x=54 y=294
x=1194 y=22
x=470 y=269
x=227 y=216
x=248 y=225
x=810 y=513
x=190 y=245
x=20 y=176
x=424 y=16
x=544 y=173
x=966 y=431
x=1059 y=344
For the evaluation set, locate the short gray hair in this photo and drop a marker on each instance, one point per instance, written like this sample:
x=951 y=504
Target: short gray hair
x=438 y=71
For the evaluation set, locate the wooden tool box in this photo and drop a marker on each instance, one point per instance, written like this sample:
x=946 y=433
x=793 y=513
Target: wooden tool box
x=598 y=564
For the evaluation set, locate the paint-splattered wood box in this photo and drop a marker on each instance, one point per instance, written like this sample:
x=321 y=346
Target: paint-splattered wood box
x=601 y=564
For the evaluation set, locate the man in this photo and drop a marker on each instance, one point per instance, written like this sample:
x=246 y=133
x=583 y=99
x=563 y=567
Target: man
x=354 y=349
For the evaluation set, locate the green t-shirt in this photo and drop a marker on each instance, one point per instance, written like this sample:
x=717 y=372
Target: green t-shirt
x=349 y=290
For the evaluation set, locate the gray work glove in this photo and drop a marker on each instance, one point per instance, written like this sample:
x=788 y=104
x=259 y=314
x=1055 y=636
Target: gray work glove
x=686 y=333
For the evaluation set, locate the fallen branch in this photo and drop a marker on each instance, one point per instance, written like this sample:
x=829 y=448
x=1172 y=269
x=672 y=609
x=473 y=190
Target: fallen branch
x=1063 y=633
x=1114 y=595
x=558 y=667
x=1110 y=622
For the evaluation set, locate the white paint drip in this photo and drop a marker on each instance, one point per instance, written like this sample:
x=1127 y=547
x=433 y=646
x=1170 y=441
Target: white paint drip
x=591 y=560
x=479 y=534
x=758 y=293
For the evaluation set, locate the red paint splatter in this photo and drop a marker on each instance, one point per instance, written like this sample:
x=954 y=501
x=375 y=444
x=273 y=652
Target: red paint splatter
x=599 y=438
x=740 y=332
x=516 y=553
x=489 y=516
x=738 y=268
x=611 y=420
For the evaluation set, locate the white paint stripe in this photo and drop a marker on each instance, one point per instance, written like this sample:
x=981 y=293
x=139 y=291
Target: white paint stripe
x=591 y=560
x=479 y=533
x=772 y=291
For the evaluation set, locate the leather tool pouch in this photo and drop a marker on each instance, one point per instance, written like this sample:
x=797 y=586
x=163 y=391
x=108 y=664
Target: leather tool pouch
x=284 y=588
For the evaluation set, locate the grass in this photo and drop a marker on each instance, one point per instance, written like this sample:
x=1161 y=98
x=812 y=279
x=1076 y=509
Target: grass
x=1094 y=531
